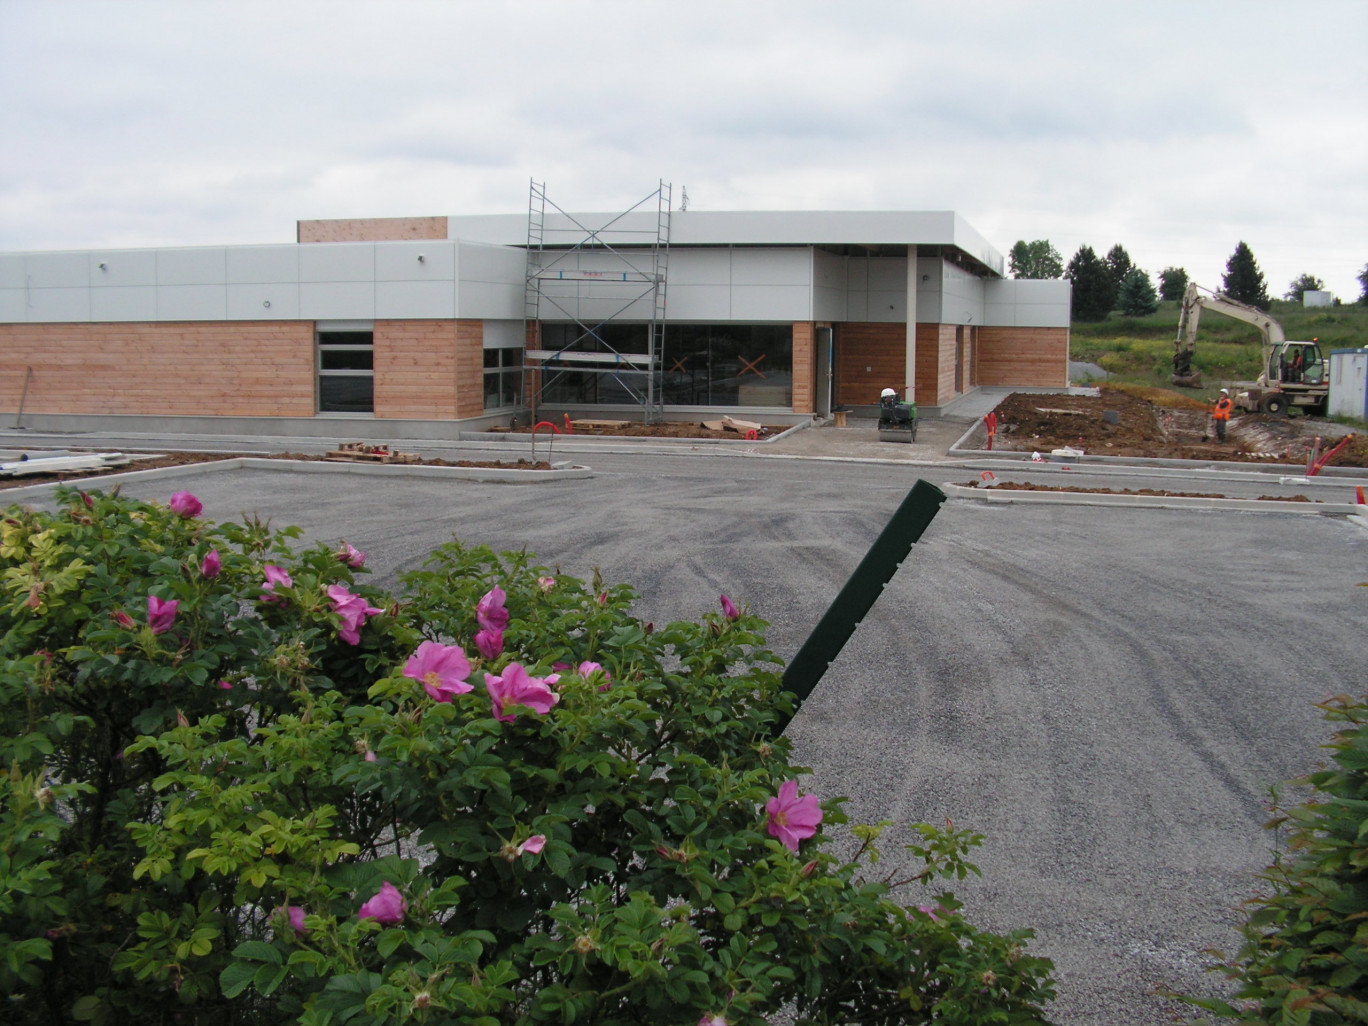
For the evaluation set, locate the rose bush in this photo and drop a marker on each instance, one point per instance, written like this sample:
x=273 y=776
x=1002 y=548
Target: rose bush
x=278 y=795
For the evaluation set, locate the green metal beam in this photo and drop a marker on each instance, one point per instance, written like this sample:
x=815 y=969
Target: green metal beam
x=860 y=593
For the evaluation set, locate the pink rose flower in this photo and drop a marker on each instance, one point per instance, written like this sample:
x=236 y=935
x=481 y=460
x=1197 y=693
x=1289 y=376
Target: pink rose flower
x=533 y=844
x=546 y=583
x=386 y=908
x=441 y=669
x=489 y=643
x=294 y=914
x=490 y=611
x=353 y=557
x=353 y=609
x=275 y=578
x=791 y=818
x=183 y=504
x=729 y=609
x=211 y=564
x=516 y=687
x=161 y=613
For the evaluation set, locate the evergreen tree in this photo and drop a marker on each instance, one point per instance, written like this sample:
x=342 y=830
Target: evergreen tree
x=1036 y=259
x=1136 y=297
x=1363 y=284
x=1118 y=265
x=1173 y=282
x=1092 y=285
x=1302 y=285
x=1243 y=280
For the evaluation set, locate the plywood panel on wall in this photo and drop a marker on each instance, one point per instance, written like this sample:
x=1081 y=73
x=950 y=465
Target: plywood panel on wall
x=263 y=369
x=1027 y=357
x=372 y=229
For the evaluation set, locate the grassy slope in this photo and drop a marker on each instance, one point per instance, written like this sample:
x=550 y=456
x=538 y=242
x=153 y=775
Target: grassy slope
x=1139 y=350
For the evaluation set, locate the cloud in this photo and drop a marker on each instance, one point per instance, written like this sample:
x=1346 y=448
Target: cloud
x=1176 y=129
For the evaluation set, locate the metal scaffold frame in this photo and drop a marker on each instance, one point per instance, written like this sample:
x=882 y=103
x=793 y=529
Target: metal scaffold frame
x=626 y=262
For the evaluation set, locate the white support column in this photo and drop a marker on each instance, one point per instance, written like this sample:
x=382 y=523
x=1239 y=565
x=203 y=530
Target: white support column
x=910 y=348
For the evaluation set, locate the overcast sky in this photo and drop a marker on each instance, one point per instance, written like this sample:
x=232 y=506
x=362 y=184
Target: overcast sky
x=1174 y=129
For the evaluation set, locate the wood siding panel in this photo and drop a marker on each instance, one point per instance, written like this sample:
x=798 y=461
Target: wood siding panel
x=1027 y=357
x=935 y=364
x=169 y=369
x=415 y=370
x=469 y=368
x=804 y=366
x=878 y=347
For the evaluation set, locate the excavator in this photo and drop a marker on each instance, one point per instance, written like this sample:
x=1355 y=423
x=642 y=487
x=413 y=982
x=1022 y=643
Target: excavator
x=1292 y=373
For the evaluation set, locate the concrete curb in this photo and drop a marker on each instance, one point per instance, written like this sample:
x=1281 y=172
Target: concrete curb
x=484 y=475
x=631 y=440
x=1021 y=497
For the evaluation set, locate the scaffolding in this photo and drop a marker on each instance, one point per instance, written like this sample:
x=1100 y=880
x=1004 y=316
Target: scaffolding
x=587 y=279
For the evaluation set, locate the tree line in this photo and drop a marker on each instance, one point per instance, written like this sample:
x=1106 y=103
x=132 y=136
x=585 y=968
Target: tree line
x=1113 y=282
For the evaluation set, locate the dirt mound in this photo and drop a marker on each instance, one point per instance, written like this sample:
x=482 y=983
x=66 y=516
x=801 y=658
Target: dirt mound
x=1117 y=423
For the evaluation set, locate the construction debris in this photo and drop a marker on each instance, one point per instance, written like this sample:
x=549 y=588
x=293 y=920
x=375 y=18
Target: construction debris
x=362 y=452
x=63 y=463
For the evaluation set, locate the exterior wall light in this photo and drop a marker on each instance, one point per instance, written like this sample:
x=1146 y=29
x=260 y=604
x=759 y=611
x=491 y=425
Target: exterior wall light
x=422 y=259
x=104 y=267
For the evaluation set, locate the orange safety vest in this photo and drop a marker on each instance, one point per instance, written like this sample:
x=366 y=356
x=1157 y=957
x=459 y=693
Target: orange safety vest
x=1222 y=411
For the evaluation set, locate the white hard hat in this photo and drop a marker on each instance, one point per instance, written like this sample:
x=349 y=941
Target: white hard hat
x=887 y=392
x=1225 y=391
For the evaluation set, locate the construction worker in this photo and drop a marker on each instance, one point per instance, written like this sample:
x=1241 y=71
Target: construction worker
x=1221 y=414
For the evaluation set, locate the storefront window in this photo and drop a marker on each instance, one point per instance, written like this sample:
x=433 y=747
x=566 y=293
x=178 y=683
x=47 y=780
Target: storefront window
x=704 y=365
x=346 y=372
x=729 y=365
x=502 y=377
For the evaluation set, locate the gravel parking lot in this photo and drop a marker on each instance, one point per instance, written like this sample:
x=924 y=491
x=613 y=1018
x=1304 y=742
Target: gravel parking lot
x=1105 y=693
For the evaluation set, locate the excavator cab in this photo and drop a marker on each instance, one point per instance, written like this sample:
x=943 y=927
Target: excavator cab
x=1296 y=363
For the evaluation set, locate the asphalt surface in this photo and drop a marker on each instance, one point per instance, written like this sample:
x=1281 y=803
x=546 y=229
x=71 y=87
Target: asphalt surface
x=1106 y=694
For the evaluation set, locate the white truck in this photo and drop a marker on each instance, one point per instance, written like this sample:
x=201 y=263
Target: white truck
x=1292 y=373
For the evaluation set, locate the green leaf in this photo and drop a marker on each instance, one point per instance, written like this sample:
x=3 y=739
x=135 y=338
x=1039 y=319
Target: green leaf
x=85 y=1008
x=258 y=951
x=236 y=978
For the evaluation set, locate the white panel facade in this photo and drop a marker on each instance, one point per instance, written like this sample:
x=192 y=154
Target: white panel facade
x=771 y=303
x=123 y=268
x=56 y=305
x=263 y=302
x=192 y=266
x=336 y=300
x=337 y=261
x=399 y=261
x=398 y=300
x=13 y=274
x=14 y=306
x=1027 y=303
x=136 y=303
x=772 y=267
x=192 y=303
x=504 y=334
x=706 y=303
x=56 y=270
x=887 y=274
x=961 y=297
x=477 y=300
x=250 y=265
x=700 y=267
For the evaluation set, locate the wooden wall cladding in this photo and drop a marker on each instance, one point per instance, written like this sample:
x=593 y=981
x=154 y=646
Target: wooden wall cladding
x=199 y=368
x=1026 y=357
